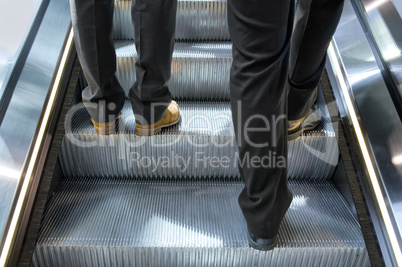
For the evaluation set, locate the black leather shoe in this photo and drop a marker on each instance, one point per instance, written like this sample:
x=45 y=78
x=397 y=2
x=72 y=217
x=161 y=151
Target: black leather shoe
x=260 y=243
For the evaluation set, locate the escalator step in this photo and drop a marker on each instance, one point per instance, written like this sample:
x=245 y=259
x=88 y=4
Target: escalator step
x=200 y=71
x=103 y=222
x=201 y=146
x=195 y=20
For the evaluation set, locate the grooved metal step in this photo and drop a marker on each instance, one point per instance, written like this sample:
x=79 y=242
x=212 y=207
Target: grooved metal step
x=201 y=146
x=195 y=20
x=200 y=71
x=102 y=222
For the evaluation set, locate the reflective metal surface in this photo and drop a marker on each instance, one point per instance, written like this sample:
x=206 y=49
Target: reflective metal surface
x=386 y=27
x=190 y=224
x=196 y=20
x=377 y=118
x=398 y=5
x=201 y=146
x=200 y=71
x=15 y=22
x=19 y=127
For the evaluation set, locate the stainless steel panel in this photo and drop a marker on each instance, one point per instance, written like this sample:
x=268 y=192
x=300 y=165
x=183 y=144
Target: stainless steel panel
x=195 y=20
x=398 y=5
x=200 y=71
x=103 y=222
x=386 y=27
x=17 y=131
x=380 y=124
x=187 y=151
x=16 y=18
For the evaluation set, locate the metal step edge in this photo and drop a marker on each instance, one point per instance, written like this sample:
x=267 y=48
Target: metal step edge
x=102 y=222
x=195 y=21
x=200 y=71
x=201 y=146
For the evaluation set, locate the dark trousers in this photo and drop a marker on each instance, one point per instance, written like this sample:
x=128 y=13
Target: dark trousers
x=264 y=82
x=154 y=22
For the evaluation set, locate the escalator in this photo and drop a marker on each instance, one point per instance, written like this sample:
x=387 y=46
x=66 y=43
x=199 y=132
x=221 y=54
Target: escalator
x=116 y=205
x=171 y=199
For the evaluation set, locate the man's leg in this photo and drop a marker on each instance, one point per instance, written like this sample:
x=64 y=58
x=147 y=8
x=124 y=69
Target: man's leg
x=260 y=31
x=154 y=22
x=315 y=23
x=92 y=23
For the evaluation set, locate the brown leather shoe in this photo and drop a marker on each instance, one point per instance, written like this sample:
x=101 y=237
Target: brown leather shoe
x=306 y=123
x=172 y=116
x=105 y=127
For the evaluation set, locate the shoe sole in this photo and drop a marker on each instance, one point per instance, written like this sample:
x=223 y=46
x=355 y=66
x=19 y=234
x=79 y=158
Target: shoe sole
x=257 y=246
x=105 y=130
x=300 y=130
x=153 y=131
x=110 y=129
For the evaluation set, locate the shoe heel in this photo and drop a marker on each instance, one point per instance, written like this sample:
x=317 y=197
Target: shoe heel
x=147 y=132
x=105 y=128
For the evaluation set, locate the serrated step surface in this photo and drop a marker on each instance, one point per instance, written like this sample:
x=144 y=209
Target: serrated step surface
x=201 y=146
x=200 y=71
x=195 y=20
x=103 y=222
